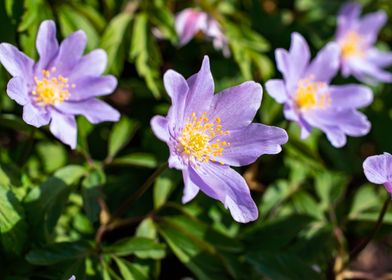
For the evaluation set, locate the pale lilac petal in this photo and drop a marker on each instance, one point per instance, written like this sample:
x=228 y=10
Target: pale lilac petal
x=177 y=88
x=277 y=90
x=92 y=86
x=249 y=143
x=190 y=189
x=350 y=96
x=371 y=24
x=17 y=90
x=351 y=10
x=92 y=64
x=326 y=64
x=35 y=116
x=188 y=23
x=16 y=62
x=175 y=161
x=201 y=90
x=378 y=169
x=94 y=110
x=70 y=51
x=72 y=278
x=63 y=127
x=159 y=126
x=224 y=184
x=47 y=44
x=284 y=65
x=237 y=106
x=337 y=137
x=379 y=58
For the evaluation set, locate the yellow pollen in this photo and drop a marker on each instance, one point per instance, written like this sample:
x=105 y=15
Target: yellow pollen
x=312 y=95
x=51 y=90
x=198 y=139
x=353 y=45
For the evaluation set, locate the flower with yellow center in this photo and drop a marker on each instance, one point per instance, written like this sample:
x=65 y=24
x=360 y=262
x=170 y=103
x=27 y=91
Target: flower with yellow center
x=51 y=90
x=312 y=95
x=199 y=139
x=352 y=45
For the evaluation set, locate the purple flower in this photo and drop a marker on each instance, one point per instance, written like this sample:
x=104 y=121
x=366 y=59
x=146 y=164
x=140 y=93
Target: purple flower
x=72 y=278
x=190 y=21
x=62 y=84
x=308 y=98
x=207 y=133
x=378 y=170
x=356 y=37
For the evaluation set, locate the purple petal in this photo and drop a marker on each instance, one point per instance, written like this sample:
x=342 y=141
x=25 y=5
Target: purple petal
x=92 y=64
x=88 y=87
x=277 y=90
x=337 y=123
x=177 y=88
x=283 y=63
x=94 y=110
x=64 y=128
x=237 y=106
x=365 y=71
x=190 y=189
x=201 y=90
x=159 y=126
x=70 y=51
x=47 y=44
x=224 y=184
x=35 y=116
x=371 y=24
x=326 y=64
x=299 y=54
x=16 y=62
x=17 y=90
x=378 y=169
x=247 y=144
x=379 y=58
x=350 y=96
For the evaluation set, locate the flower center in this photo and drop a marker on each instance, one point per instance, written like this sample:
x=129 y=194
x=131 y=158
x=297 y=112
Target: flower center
x=312 y=95
x=199 y=139
x=353 y=45
x=51 y=90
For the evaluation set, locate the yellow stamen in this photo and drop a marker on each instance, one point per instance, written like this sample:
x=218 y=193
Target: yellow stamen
x=51 y=90
x=312 y=95
x=198 y=141
x=353 y=45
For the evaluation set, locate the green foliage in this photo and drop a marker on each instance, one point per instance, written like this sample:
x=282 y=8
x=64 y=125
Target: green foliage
x=62 y=211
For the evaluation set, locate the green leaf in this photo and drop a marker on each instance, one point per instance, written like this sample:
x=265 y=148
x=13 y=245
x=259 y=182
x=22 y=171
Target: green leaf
x=163 y=187
x=71 y=21
x=129 y=271
x=53 y=155
x=147 y=229
x=44 y=205
x=59 y=252
x=138 y=160
x=122 y=133
x=142 y=247
x=145 y=53
x=113 y=39
x=282 y=266
x=91 y=191
x=13 y=227
x=365 y=199
x=70 y=174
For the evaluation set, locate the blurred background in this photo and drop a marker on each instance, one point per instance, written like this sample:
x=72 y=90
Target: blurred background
x=315 y=203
